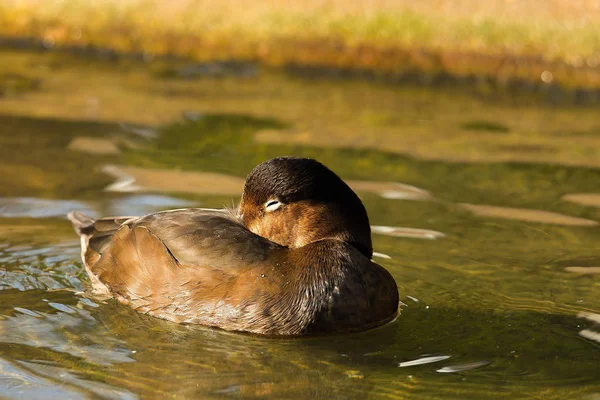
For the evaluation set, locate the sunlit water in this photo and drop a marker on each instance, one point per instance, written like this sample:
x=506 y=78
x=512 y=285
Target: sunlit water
x=497 y=270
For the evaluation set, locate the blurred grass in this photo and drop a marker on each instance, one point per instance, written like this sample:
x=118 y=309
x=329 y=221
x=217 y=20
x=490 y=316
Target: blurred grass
x=507 y=40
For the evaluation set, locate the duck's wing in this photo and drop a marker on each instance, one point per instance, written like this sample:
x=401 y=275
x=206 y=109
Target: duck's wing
x=193 y=236
x=178 y=265
x=207 y=237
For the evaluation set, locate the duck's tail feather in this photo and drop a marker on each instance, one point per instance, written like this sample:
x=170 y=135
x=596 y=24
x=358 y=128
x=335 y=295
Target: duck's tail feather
x=94 y=234
x=82 y=223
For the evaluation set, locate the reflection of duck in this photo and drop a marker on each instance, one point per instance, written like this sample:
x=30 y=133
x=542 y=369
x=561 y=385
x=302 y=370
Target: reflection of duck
x=293 y=259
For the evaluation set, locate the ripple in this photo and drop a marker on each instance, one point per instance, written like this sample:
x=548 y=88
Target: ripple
x=585 y=199
x=407 y=232
x=590 y=316
x=93 y=145
x=423 y=360
x=590 y=334
x=391 y=190
x=141 y=131
x=28 y=312
x=381 y=255
x=62 y=307
x=145 y=204
x=462 y=367
x=19 y=383
x=527 y=215
x=583 y=270
x=18 y=207
x=51 y=267
x=52 y=324
x=98 y=389
x=137 y=179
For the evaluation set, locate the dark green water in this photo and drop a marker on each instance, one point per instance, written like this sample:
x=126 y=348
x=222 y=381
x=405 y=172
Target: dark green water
x=491 y=308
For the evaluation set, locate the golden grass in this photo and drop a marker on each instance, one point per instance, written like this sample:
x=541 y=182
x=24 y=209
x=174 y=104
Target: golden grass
x=556 y=39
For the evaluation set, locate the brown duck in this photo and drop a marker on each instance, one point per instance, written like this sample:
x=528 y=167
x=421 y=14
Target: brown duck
x=293 y=259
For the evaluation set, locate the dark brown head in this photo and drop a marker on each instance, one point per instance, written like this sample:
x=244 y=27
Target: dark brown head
x=296 y=201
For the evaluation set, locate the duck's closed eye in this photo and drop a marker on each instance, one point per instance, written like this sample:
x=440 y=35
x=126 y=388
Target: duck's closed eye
x=272 y=205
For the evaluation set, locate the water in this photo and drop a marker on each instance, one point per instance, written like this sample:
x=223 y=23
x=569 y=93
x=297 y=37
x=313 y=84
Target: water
x=496 y=262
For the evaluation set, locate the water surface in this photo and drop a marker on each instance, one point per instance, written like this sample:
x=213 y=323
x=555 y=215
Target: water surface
x=496 y=262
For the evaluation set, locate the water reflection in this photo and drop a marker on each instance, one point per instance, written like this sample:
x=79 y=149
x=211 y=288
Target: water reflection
x=17 y=382
x=93 y=145
x=591 y=334
x=406 y=232
x=144 y=204
x=26 y=267
x=462 y=367
x=584 y=270
x=423 y=360
x=521 y=214
x=586 y=199
x=14 y=207
x=19 y=207
x=56 y=321
x=109 y=350
x=136 y=179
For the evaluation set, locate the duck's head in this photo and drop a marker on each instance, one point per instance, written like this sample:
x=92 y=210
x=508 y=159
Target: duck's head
x=296 y=201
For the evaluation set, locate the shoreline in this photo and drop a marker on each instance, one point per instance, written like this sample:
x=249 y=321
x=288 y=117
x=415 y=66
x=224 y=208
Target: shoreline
x=393 y=41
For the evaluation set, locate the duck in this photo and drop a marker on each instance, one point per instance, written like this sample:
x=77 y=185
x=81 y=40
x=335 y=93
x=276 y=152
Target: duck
x=293 y=259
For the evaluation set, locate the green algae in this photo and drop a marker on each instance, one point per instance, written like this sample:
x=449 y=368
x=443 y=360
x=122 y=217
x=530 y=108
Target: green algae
x=13 y=84
x=486 y=126
x=34 y=159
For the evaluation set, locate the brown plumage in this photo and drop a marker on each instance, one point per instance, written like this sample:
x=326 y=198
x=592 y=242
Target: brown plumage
x=294 y=259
